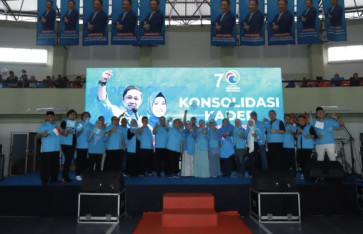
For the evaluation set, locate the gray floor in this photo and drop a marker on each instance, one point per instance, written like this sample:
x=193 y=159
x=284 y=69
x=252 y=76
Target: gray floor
x=62 y=225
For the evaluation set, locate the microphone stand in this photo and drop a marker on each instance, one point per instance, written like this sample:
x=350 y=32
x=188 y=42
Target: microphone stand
x=351 y=140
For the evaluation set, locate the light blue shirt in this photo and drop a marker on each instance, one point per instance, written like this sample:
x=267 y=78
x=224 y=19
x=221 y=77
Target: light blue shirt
x=174 y=139
x=161 y=137
x=213 y=138
x=124 y=134
x=71 y=125
x=189 y=141
x=131 y=143
x=96 y=141
x=289 y=139
x=146 y=139
x=302 y=141
x=114 y=141
x=260 y=127
x=82 y=141
x=51 y=142
x=202 y=140
x=327 y=131
x=275 y=137
x=239 y=142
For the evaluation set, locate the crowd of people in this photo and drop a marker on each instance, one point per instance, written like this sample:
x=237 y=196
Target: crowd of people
x=8 y=79
x=182 y=147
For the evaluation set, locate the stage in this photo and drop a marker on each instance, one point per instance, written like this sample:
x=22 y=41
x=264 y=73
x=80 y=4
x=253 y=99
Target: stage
x=23 y=195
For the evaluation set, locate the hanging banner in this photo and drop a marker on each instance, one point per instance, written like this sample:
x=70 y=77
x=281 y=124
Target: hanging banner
x=152 y=22
x=69 y=23
x=95 y=22
x=124 y=22
x=46 y=22
x=223 y=22
x=252 y=18
x=280 y=18
x=334 y=11
x=307 y=22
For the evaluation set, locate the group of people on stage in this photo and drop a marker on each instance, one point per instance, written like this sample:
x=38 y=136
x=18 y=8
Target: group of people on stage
x=204 y=150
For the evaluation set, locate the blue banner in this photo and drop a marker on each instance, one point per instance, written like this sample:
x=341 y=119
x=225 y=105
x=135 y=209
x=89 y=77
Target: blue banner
x=46 y=22
x=204 y=92
x=152 y=22
x=280 y=18
x=69 y=23
x=124 y=22
x=252 y=18
x=223 y=22
x=95 y=22
x=334 y=11
x=308 y=22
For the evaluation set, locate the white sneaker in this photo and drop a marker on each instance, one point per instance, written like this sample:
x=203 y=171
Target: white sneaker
x=78 y=178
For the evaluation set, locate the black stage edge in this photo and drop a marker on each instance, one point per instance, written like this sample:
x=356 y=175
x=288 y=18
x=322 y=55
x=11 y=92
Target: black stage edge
x=61 y=200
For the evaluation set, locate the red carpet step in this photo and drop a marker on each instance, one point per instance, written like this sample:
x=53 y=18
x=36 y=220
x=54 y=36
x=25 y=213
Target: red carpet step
x=188 y=201
x=189 y=218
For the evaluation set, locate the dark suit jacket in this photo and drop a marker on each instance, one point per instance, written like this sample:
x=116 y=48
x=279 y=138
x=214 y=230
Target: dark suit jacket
x=337 y=14
x=310 y=18
x=99 y=22
x=129 y=22
x=255 y=23
x=156 y=22
x=73 y=20
x=50 y=17
x=285 y=22
x=227 y=23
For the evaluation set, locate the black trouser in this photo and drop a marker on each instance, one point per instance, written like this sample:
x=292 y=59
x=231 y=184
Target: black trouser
x=172 y=163
x=160 y=160
x=239 y=157
x=68 y=151
x=133 y=164
x=82 y=161
x=123 y=161
x=289 y=160
x=49 y=166
x=253 y=158
x=303 y=156
x=95 y=161
x=147 y=160
x=113 y=160
x=275 y=156
x=227 y=166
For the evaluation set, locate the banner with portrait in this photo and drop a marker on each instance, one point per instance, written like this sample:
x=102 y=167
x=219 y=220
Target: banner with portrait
x=280 y=19
x=308 y=21
x=205 y=92
x=223 y=22
x=95 y=22
x=152 y=22
x=46 y=16
x=252 y=22
x=334 y=11
x=69 y=23
x=124 y=22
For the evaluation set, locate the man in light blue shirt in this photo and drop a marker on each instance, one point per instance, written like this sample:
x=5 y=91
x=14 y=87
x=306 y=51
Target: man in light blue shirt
x=324 y=129
x=146 y=147
x=261 y=127
x=275 y=139
x=161 y=139
x=175 y=148
x=49 y=134
x=114 y=145
x=289 y=145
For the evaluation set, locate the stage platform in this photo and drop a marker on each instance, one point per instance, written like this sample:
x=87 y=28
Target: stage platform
x=23 y=195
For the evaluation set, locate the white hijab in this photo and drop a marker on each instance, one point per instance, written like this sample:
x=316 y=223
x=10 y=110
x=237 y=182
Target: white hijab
x=251 y=138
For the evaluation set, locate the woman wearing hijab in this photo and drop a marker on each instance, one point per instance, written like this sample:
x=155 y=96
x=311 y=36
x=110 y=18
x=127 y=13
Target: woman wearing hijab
x=239 y=138
x=189 y=150
x=227 y=150
x=156 y=108
x=213 y=150
x=253 y=136
x=133 y=146
x=68 y=142
x=96 y=146
x=201 y=161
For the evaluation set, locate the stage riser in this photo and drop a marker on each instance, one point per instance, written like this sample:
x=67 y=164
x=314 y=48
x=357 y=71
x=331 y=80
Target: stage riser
x=322 y=199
